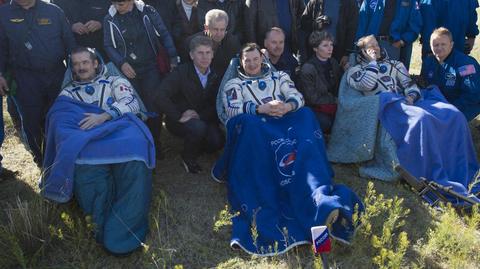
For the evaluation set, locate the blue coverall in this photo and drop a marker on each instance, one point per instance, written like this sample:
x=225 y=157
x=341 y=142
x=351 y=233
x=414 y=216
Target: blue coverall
x=406 y=24
x=459 y=80
x=458 y=16
x=34 y=43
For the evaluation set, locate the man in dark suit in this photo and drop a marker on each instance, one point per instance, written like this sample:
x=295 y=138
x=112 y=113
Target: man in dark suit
x=225 y=45
x=187 y=97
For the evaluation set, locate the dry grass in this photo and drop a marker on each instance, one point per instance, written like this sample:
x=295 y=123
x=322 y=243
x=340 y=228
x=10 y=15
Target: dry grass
x=188 y=229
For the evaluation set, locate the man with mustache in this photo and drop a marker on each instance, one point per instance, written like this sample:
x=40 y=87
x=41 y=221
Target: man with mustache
x=98 y=151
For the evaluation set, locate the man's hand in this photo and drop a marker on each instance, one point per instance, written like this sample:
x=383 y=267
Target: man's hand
x=370 y=54
x=188 y=115
x=92 y=119
x=3 y=86
x=344 y=62
x=128 y=71
x=275 y=108
x=469 y=43
x=172 y=66
x=398 y=44
x=93 y=26
x=79 y=28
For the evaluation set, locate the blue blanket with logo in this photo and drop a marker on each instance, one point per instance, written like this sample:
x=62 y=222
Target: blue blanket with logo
x=280 y=183
x=124 y=139
x=433 y=139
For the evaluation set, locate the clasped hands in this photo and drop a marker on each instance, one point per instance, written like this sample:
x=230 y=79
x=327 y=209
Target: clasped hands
x=275 y=108
x=92 y=119
x=88 y=27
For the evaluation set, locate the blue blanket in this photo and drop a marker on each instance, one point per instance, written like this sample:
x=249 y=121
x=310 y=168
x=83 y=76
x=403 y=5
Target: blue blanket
x=280 y=182
x=117 y=141
x=433 y=139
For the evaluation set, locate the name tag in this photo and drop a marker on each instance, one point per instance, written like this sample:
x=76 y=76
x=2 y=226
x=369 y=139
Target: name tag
x=44 y=21
x=405 y=3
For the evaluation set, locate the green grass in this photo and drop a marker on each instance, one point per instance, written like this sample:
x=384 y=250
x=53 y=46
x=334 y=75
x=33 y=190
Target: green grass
x=190 y=225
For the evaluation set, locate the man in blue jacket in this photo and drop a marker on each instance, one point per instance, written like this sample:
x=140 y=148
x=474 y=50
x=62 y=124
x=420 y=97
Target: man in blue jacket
x=395 y=23
x=459 y=17
x=35 y=39
x=456 y=74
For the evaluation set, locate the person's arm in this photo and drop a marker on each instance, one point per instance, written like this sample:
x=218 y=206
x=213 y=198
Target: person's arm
x=233 y=100
x=109 y=30
x=415 y=24
x=169 y=87
x=307 y=19
x=162 y=33
x=67 y=34
x=410 y=90
x=472 y=28
x=124 y=99
x=250 y=18
x=429 y=22
x=362 y=21
x=469 y=86
x=308 y=87
x=363 y=79
x=4 y=50
x=290 y=92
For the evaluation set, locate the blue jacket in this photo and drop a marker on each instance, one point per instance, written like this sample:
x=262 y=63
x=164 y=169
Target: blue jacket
x=115 y=44
x=458 y=16
x=39 y=38
x=459 y=80
x=405 y=26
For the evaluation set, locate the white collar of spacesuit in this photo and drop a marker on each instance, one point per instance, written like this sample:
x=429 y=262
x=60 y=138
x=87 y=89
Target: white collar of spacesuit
x=266 y=71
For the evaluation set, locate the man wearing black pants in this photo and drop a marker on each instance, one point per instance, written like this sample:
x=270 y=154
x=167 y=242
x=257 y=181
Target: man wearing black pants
x=187 y=97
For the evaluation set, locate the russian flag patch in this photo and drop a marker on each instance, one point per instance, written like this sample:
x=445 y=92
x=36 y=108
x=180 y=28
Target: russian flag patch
x=321 y=239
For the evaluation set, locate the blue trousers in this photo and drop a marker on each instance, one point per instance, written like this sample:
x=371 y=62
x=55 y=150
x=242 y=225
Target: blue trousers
x=36 y=91
x=117 y=196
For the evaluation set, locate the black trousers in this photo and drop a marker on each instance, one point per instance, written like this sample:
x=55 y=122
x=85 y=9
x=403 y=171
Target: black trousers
x=146 y=83
x=199 y=136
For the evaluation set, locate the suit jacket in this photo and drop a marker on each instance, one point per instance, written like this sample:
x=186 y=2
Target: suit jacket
x=261 y=15
x=182 y=90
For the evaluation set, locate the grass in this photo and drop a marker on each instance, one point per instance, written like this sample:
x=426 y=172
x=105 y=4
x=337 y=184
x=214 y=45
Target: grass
x=190 y=226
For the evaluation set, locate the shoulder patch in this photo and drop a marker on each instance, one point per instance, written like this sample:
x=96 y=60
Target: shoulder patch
x=231 y=94
x=357 y=76
x=467 y=70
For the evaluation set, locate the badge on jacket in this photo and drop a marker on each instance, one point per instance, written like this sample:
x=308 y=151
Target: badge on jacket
x=44 y=21
x=17 y=20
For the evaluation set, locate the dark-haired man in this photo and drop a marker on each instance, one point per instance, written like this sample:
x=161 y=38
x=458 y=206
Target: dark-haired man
x=96 y=141
x=35 y=39
x=187 y=97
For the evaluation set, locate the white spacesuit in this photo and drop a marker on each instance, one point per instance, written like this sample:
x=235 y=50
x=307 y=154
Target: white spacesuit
x=244 y=93
x=381 y=76
x=112 y=93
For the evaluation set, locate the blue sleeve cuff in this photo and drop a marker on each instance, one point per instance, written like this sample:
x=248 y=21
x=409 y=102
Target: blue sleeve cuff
x=114 y=112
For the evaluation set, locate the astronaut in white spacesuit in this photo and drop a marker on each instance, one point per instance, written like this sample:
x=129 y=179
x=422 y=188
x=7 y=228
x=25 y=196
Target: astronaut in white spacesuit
x=91 y=85
x=258 y=89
